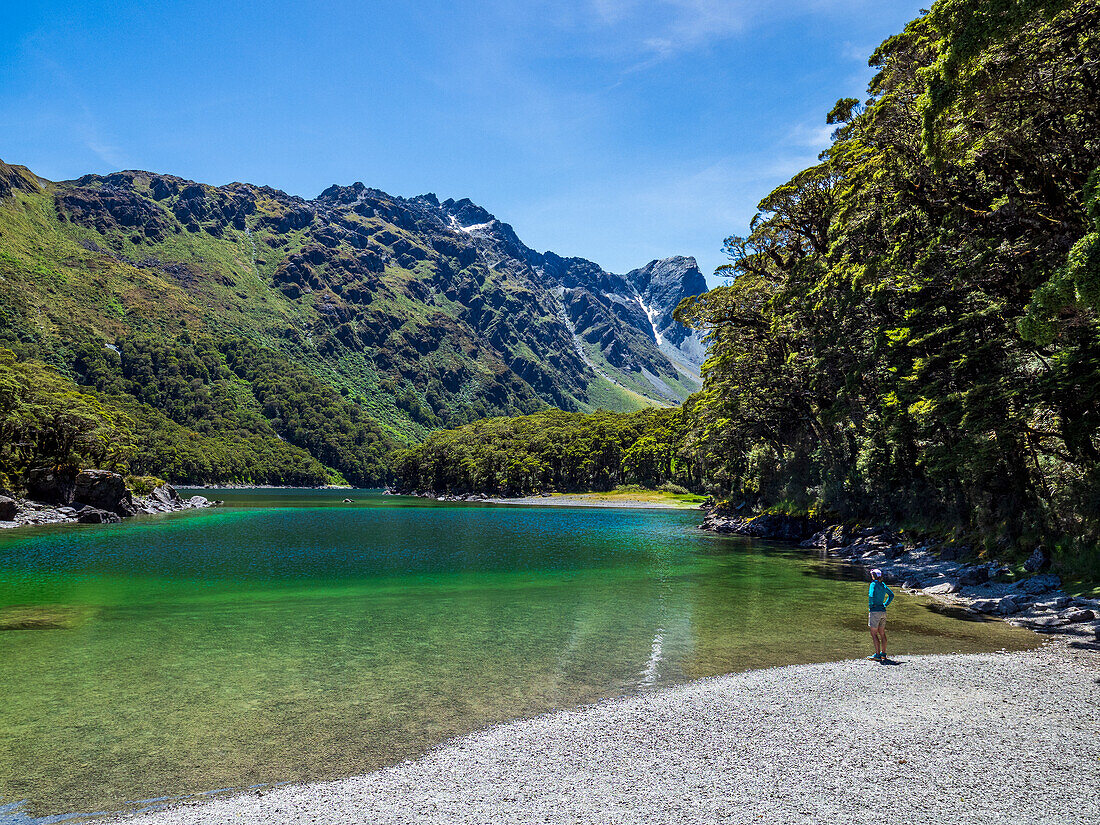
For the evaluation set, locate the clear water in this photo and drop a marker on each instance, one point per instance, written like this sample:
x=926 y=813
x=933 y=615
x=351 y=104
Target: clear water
x=288 y=636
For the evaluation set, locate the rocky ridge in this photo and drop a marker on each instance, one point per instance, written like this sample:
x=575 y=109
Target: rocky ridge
x=433 y=312
x=1035 y=601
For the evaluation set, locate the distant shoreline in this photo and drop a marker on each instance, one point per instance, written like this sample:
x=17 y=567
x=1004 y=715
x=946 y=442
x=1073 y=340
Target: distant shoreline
x=638 y=499
x=598 y=500
x=630 y=498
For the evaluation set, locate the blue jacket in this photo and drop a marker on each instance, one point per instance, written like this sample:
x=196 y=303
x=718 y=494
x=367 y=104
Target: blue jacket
x=876 y=594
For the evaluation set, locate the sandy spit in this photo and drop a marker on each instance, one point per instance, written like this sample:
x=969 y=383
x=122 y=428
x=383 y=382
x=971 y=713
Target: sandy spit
x=988 y=738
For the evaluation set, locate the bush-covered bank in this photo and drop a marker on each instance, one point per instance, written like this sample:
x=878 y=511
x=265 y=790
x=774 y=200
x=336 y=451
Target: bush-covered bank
x=910 y=333
x=551 y=450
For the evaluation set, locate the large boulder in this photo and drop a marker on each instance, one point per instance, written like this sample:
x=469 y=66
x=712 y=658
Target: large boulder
x=95 y=515
x=1038 y=560
x=166 y=494
x=1037 y=585
x=974 y=574
x=50 y=486
x=103 y=490
x=8 y=508
x=942 y=589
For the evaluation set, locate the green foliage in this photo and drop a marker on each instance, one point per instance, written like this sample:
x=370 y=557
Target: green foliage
x=144 y=485
x=46 y=421
x=551 y=450
x=911 y=333
x=249 y=405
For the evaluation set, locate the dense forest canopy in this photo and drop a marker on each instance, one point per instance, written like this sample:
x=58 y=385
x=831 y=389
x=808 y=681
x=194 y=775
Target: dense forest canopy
x=910 y=327
x=186 y=411
x=551 y=450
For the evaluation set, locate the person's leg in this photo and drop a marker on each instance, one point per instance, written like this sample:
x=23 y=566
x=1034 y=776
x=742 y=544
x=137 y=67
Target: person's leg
x=882 y=639
x=874 y=638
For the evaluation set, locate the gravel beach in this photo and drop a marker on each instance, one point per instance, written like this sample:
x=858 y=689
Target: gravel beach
x=989 y=738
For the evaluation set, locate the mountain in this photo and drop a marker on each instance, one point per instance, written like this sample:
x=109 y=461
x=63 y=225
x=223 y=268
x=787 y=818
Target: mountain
x=423 y=313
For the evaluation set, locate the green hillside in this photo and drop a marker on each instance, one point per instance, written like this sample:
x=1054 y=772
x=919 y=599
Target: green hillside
x=249 y=321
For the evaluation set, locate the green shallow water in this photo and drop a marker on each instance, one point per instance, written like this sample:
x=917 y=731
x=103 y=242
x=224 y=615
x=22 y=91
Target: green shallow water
x=288 y=636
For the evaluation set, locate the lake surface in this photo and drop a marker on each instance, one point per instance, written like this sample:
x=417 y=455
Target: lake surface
x=288 y=636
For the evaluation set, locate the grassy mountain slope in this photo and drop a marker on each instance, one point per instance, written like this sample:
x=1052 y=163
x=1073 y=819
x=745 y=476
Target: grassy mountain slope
x=391 y=315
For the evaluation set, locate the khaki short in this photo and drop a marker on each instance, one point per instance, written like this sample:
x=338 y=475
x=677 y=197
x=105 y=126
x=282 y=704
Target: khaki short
x=876 y=619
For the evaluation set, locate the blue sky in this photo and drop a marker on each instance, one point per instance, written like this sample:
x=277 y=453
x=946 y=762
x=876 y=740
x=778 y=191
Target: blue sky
x=618 y=130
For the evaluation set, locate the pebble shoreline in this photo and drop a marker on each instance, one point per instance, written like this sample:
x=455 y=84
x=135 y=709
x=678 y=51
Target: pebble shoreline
x=986 y=738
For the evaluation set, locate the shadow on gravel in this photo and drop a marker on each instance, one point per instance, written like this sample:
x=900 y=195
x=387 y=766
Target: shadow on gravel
x=1094 y=646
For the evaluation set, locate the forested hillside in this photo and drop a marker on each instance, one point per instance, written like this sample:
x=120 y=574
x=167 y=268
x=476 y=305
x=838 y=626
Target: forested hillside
x=254 y=336
x=909 y=332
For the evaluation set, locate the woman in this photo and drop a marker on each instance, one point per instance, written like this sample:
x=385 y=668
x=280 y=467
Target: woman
x=878 y=597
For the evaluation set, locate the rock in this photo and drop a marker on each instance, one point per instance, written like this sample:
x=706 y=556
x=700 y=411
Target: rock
x=49 y=485
x=1046 y=622
x=1039 y=584
x=764 y=526
x=949 y=553
x=349 y=501
x=1060 y=603
x=197 y=502
x=985 y=605
x=94 y=515
x=1007 y=606
x=1076 y=616
x=103 y=490
x=941 y=589
x=8 y=508
x=166 y=494
x=913 y=584
x=974 y=574
x=1038 y=560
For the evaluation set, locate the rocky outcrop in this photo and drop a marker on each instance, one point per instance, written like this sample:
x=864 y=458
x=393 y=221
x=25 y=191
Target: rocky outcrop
x=762 y=526
x=99 y=489
x=94 y=497
x=103 y=490
x=50 y=486
x=17 y=179
x=661 y=286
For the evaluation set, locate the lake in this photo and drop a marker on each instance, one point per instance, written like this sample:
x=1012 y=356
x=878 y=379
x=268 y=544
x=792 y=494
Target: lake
x=287 y=636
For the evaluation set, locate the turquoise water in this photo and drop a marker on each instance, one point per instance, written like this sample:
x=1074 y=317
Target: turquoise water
x=288 y=636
